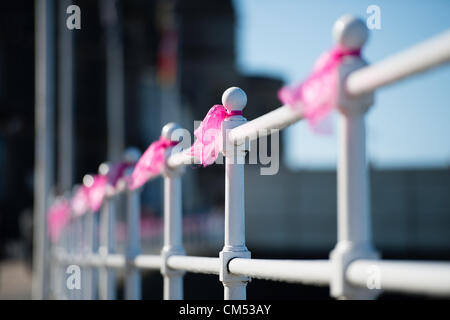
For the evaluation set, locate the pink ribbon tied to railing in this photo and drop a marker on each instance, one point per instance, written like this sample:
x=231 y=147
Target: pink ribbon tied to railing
x=80 y=201
x=58 y=217
x=118 y=171
x=151 y=163
x=90 y=197
x=317 y=96
x=207 y=146
x=97 y=191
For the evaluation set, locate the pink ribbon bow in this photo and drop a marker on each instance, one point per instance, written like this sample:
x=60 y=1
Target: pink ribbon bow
x=208 y=134
x=151 y=163
x=58 y=217
x=317 y=95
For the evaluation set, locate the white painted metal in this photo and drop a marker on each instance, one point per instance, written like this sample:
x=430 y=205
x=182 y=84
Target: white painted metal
x=148 y=261
x=234 y=99
x=420 y=277
x=133 y=290
x=315 y=272
x=91 y=248
x=194 y=264
x=419 y=58
x=44 y=139
x=107 y=277
x=181 y=159
x=354 y=232
x=277 y=119
x=173 y=232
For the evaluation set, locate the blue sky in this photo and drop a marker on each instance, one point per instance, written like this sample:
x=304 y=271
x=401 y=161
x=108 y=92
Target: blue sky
x=409 y=125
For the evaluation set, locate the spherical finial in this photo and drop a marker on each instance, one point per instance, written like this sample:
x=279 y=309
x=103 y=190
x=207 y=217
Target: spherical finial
x=350 y=32
x=169 y=129
x=131 y=154
x=104 y=168
x=88 y=180
x=234 y=99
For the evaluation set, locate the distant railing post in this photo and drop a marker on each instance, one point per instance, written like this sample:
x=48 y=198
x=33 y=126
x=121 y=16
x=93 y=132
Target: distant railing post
x=133 y=280
x=133 y=290
x=91 y=250
x=173 y=228
x=107 y=276
x=234 y=99
x=354 y=231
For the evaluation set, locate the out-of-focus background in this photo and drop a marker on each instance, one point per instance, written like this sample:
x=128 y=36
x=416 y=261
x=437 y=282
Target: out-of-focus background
x=137 y=64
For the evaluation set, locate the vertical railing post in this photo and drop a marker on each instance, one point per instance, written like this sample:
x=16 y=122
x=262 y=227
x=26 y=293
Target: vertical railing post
x=173 y=232
x=234 y=99
x=354 y=231
x=90 y=249
x=133 y=290
x=133 y=282
x=107 y=276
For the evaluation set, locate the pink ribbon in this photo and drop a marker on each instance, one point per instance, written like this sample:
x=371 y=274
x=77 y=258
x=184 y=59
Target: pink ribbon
x=90 y=197
x=151 y=163
x=80 y=201
x=118 y=171
x=96 y=192
x=58 y=217
x=317 y=96
x=208 y=134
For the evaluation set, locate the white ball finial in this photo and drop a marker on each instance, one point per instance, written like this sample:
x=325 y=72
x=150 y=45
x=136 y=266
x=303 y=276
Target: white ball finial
x=350 y=32
x=88 y=180
x=131 y=154
x=169 y=129
x=104 y=168
x=234 y=99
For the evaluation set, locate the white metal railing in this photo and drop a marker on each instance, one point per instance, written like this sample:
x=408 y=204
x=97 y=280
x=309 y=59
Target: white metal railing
x=346 y=272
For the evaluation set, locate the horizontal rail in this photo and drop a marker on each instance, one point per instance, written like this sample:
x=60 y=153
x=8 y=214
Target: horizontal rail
x=93 y=260
x=194 y=264
x=315 y=272
x=426 y=55
x=277 y=119
x=429 y=278
x=148 y=261
x=180 y=159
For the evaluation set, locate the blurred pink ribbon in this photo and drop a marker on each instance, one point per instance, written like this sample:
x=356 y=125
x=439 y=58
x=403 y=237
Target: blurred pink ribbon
x=97 y=192
x=317 y=96
x=151 y=163
x=80 y=201
x=58 y=217
x=208 y=143
x=118 y=171
x=90 y=197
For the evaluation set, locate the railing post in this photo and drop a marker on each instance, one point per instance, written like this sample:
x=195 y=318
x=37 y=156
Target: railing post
x=354 y=231
x=133 y=290
x=133 y=279
x=234 y=99
x=107 y=276
x=173 y=228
